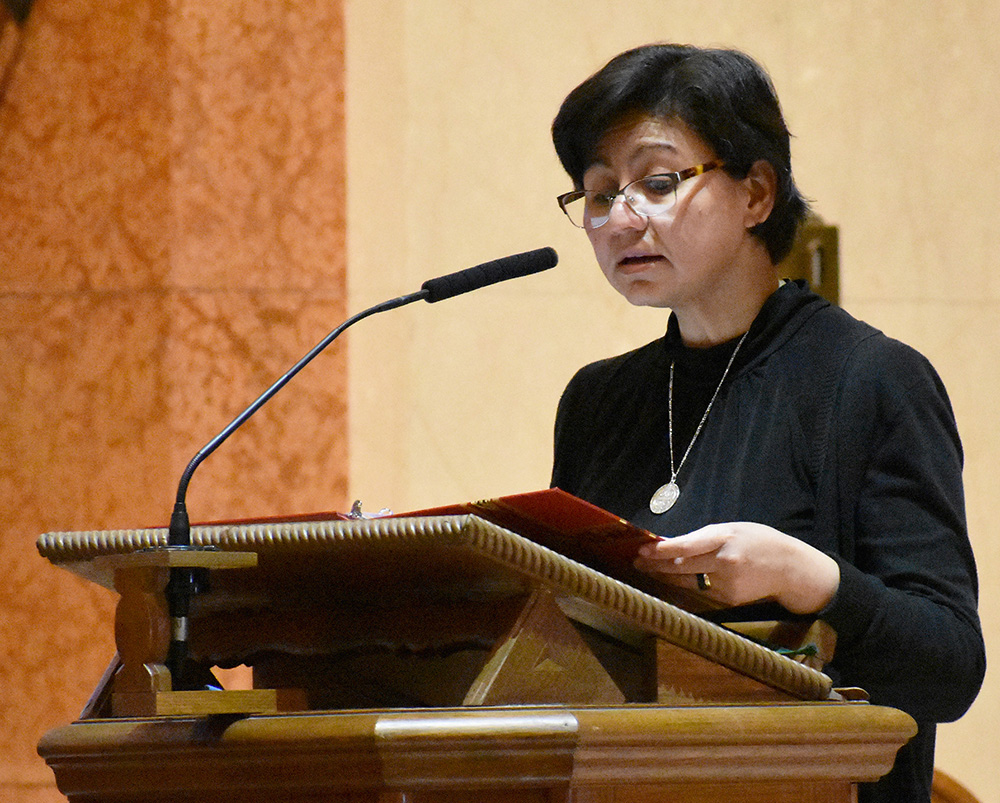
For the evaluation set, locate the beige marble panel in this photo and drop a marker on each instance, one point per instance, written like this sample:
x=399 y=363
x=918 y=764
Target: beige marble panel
x=894 y=107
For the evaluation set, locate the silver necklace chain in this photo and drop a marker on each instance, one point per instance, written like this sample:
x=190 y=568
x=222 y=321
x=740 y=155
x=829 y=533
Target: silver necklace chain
x=667 y=495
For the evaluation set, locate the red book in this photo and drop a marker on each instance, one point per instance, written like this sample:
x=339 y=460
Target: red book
x=579 y=530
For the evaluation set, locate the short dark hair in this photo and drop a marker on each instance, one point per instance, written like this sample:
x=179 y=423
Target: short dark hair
x=723 y=96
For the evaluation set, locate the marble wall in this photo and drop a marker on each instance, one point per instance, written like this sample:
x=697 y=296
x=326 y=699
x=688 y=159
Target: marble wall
x=894 y=106
x=172 y=235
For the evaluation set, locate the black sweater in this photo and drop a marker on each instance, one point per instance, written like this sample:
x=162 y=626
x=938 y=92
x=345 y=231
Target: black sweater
x=827 y=430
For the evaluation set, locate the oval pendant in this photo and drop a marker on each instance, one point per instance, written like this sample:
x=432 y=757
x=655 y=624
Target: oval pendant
x=664 y=497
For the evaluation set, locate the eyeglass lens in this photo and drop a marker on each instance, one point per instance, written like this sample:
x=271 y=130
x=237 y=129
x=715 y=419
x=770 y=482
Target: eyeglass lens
x=648 y=197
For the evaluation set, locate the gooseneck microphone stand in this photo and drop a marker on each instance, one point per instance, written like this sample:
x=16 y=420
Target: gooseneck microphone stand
x=184 y=582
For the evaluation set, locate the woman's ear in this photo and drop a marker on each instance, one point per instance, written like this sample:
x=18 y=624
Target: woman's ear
x=762 y=189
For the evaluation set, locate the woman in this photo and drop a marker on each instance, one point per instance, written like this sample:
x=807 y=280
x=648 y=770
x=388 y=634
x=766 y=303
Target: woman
x=786 y=452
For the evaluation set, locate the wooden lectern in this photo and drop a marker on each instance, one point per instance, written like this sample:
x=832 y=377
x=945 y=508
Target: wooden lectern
x=441 y=659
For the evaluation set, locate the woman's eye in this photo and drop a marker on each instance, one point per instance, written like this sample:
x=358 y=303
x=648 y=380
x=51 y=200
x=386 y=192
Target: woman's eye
x=658 y=186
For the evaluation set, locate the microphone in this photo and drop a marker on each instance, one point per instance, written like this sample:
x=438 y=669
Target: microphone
x=488 y=273
x=183 y=581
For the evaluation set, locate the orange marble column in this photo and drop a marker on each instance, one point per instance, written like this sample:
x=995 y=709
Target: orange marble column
x=172 y=232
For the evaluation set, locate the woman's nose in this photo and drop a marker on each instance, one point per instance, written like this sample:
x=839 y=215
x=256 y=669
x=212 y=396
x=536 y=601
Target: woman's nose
x=622 y=215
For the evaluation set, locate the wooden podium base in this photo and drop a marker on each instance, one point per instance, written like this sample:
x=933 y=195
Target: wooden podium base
x=443 y=660
x=779 y=753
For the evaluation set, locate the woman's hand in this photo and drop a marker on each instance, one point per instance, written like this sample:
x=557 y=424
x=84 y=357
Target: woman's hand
x=744 y=563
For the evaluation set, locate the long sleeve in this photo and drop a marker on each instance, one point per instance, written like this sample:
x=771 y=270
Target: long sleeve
x=905 y=614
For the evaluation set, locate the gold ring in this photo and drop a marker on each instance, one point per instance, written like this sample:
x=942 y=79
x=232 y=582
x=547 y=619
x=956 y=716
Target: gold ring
x=704 y=584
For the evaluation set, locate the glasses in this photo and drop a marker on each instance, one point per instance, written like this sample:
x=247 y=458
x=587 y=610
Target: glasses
x=648 y=197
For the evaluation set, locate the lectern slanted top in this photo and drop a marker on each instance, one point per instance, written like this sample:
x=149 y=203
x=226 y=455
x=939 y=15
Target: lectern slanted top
x=415 y=606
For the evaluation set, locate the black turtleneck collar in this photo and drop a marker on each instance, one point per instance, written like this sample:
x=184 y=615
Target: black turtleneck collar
x=707 y=364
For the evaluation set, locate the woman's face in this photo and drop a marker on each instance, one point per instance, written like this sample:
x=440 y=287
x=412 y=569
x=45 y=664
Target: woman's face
x=693 y=254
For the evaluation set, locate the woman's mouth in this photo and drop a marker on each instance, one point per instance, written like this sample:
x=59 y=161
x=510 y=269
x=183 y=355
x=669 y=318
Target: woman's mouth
x=637 y=262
